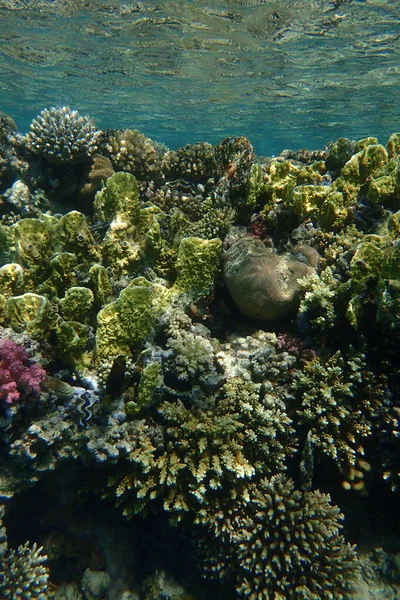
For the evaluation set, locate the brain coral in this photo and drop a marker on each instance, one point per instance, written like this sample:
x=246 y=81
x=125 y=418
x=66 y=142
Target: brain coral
x=263 y=285
x=62 y=136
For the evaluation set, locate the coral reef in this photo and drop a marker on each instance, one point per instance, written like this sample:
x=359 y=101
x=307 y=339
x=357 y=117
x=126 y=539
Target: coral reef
x=206 y=339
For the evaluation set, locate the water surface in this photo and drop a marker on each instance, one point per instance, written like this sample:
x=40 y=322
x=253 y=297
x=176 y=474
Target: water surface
x=287 y=73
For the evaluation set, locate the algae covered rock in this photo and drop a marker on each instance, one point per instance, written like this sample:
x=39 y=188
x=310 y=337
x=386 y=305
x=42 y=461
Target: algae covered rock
x=263 y=285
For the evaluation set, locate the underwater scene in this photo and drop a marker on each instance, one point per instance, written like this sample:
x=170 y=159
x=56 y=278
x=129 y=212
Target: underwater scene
x=200 y=300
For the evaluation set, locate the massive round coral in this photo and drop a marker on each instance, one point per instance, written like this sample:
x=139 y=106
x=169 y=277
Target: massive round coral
x=263 y=284
x=61 y=136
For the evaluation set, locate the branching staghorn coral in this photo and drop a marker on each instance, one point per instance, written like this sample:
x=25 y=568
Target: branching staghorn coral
x=193 y=351
x=204 y=451
x=338 y=397
x=281 y=543
x=318 y=303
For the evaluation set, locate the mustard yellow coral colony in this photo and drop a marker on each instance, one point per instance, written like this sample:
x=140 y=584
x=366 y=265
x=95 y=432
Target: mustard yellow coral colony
x=220 y=336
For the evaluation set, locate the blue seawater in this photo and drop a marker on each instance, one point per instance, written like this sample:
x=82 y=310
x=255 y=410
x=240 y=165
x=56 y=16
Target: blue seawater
x=284 y=73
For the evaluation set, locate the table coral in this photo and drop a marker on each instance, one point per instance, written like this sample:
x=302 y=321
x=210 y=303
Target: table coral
x=203 y=451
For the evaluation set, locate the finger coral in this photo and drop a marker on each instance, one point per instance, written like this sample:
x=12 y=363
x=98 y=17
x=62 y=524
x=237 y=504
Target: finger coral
x=131 y=151
x=284 y=543
x=195 y=162
x=62 y=136
x=23 y=575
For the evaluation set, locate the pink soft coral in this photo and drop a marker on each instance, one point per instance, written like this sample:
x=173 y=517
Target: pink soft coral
x=15 y=375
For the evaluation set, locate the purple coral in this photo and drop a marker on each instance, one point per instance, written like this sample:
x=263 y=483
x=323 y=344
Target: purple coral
x=15 y=375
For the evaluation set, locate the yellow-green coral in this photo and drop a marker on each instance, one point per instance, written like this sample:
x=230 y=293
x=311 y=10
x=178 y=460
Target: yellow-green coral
x=77 y=304
x=32 y=313
x=197 y=264
x=124 y=324
x=12 y=279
